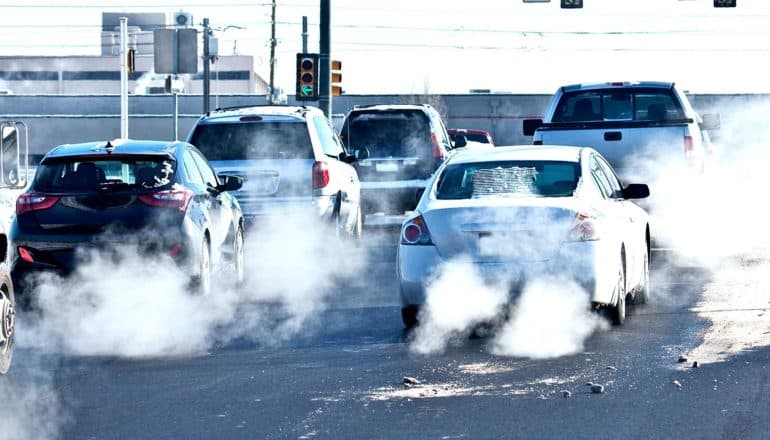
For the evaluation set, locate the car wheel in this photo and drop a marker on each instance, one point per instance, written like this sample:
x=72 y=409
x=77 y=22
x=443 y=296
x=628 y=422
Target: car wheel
x=409 y=316
x=202 y=280
x=239 y=271
x=8 y=324
x=618 y=311
x=643 y=293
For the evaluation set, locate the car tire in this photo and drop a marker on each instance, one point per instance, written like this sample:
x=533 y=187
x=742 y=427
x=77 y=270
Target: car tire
x=8 y=323
x=239 y=272
x=617 y=312
x=202 y=280
x=643 y=292
x=409 y=316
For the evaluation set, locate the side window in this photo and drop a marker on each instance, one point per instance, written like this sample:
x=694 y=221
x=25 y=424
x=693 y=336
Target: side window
x=191 y=169
x=208 y=174
x=329 y=143
x=444 y=134
x=600 y=178
x=612 y=179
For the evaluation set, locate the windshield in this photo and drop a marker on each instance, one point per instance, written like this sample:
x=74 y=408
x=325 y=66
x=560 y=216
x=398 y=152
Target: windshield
x=648 y=104
x=253 y=140
x=508 y=179
x=79 y=174
x=391 y=134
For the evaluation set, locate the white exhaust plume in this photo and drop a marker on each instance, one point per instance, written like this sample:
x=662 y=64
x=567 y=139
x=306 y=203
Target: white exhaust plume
x=457 y=301
x=551 y=318
x=131 y=306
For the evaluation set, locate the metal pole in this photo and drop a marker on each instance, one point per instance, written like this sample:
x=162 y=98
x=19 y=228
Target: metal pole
x=206 y=58
x=271 y=91
x=176 y=116
x=304 y=34
x=325 y=89
x=123 y=78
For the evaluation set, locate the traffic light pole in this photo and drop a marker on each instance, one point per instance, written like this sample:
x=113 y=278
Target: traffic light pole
x=206 y=57
x=324 y=80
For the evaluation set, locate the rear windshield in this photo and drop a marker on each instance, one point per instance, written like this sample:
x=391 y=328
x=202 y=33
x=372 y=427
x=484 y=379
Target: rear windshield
x=508 y=179
x=77 y=174
x=652 y=104
x=403 y=133
x=253 y=140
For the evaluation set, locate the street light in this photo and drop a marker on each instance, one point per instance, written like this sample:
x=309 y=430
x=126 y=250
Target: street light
x=216 y=66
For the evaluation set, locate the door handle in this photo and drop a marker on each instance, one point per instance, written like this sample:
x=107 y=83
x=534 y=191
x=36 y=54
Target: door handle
x=613 y=135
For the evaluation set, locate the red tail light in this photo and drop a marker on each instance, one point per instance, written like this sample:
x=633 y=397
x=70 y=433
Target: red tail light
x=172 y=198
x=26 y=255
x=175 y=250
x=320 y=174
x=415 y=232
x=34 y=202
x=583 y=228
x=438 y=153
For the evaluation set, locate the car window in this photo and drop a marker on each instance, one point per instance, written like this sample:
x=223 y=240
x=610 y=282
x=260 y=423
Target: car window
x=209 y=177
x=646 y=104
x=329 y=143
x=253 y=140
x=191 y=169
x=112 y=174
x=508 y=179
x=612 y=179
x=396 y=133
x=599 y=178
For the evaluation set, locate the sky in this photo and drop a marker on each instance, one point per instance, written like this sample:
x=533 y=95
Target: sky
x=435 y=46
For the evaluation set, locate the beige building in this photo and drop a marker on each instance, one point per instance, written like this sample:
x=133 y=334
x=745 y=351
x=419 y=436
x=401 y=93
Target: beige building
x=100 y=74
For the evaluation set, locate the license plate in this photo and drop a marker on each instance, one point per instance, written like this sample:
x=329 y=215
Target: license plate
x=264 y=183
x=387 y=167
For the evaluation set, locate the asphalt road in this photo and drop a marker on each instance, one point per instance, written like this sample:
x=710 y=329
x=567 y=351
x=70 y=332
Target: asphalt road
x=343 y=378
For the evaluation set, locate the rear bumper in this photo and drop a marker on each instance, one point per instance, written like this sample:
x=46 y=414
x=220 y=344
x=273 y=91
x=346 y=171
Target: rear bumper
x=586 y=263
x=313 y=207
x=390 y=197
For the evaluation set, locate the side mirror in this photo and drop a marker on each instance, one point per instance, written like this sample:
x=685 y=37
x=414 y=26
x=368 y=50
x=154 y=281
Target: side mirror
x=230 y=183
x=460 y=141
x=531 y=125
x=361 y=153
x=710 y=121
x=14 y=154
x=636 y=191
x=347 y=158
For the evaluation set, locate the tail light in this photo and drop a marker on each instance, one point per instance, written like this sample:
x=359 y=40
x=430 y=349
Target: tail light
x=320 y=174
x=415 y=232
x=26 y=255
x=34 y=202
x=688 y=146
x=172 y=198
x=584 y=228
x=175 y=250
x=438 y=153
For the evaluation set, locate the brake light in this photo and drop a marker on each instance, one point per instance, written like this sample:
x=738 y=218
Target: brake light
x=415 y=232
x=172 y=198
x=175 y=250
x=438 y=153
x=26 y=255
x=320 y=174
x=688 y=145
x=583 y=228
x=34 y=202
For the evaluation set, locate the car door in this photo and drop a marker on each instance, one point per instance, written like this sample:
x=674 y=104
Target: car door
x=219 y=212
x=342 y=175
x=630 y=222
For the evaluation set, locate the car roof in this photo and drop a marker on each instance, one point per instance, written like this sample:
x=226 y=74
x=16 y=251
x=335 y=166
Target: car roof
x=617 y=84
x=520 y=152
x=387 y=107
x=275 y=112
x=118 y=146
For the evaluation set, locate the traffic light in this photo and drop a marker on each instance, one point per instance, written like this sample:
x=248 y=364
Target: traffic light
x=724 y=3
x=571 y=4
x=307 y=77
x=336 y=77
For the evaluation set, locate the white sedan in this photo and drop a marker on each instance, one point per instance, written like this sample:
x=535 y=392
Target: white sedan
x=520 y=212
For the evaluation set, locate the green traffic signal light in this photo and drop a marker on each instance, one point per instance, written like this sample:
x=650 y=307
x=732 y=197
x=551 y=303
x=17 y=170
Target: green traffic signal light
x=307 y=77
x=571 y=4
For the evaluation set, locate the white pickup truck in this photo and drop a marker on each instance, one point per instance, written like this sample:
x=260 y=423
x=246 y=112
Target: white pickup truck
x=629 y=123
